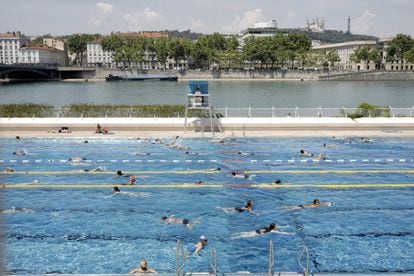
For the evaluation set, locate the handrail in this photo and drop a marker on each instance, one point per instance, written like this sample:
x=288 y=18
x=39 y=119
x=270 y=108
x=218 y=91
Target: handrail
x=213 y=261
x=305 y=269
x=226 y=112
x=271 y=257
x=180 y=258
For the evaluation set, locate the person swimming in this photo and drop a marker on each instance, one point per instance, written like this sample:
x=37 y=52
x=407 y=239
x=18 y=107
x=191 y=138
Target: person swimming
x=245 y=153
x=248 y=207
x=17 y=210
x=20 y=152
x=272 y=228
x=264 y=230
x=241 y=174
x=143 y=268
x=315 y=204
x=174 y=220
x=117 y=191
x=199 y=245
x=305 y=153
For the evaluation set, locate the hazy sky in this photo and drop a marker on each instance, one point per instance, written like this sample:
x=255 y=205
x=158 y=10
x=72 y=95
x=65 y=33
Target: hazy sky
x=62 y=17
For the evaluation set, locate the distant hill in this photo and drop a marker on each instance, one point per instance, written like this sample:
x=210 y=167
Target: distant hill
x=331 y=36
x=183 y=34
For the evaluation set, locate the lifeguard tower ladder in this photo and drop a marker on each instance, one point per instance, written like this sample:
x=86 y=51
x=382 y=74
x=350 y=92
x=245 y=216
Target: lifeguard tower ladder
x=198 y=98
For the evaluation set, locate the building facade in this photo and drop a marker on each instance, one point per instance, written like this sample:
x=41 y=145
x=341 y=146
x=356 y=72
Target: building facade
x=41 y=55
x=315 y=25
x=345 y=50
x=393 y=65
x=97 y=57
x=10 y=44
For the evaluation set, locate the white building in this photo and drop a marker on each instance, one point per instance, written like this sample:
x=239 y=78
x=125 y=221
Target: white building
x=268 y=24
x=96 y=56
x=10 y=43
x=316 y=25
x=41 y=55
x=345 y=50
x=395 y=64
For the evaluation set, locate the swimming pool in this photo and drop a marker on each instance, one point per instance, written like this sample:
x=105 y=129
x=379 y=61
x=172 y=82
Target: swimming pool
x=73 y=224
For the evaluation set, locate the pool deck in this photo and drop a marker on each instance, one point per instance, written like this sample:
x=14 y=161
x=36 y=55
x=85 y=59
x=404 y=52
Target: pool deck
x=238 y=127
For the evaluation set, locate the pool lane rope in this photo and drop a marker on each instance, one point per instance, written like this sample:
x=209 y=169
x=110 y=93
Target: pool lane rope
x=205 y=185
x=209 y=171
x=237 y=161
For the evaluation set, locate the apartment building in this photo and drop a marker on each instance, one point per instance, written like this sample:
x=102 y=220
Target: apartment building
x=40 y=54
x=345 y=50
x=97 y=57
x=10 y=43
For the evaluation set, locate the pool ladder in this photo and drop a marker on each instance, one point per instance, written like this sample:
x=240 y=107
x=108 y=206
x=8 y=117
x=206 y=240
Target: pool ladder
x=181 y=259
x=305 y=268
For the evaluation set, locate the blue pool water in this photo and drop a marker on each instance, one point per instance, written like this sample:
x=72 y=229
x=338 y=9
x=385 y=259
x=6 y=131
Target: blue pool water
x=77 y=226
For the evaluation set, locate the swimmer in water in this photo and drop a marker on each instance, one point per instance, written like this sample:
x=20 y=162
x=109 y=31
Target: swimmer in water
x=248 y=207
x=17 y=210
x=305 y=153
x=174 y=220
x=199 y=245
x=272 y=228
x=20 y=152
x=240 y=174
x=117 y=191
x=143 y=268
x=315 y=204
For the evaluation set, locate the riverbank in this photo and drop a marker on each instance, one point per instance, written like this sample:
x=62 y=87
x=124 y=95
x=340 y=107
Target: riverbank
x=238 y=127
x=271 y=75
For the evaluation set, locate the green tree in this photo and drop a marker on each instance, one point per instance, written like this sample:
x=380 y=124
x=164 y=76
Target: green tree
x=399 y=46
x=367 y=54
x=409 y=55
x=231 y=54
x=161 y=46
x=178 y=50
x=77 y=45
x=298 y=45
x=332 y=57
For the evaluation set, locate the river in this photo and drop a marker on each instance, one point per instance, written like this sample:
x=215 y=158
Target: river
x=222 y=93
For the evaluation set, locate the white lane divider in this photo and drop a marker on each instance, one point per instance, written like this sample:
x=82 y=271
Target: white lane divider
x=252 y=161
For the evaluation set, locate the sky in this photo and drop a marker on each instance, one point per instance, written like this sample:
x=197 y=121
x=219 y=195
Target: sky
x=382 y=18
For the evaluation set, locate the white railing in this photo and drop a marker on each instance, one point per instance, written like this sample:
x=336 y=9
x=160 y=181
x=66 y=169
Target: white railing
x=226 y=112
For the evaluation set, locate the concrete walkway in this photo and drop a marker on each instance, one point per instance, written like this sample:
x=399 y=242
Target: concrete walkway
x=136 y=127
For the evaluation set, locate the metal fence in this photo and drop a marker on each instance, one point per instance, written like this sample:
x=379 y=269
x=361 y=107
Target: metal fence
x=223 y=112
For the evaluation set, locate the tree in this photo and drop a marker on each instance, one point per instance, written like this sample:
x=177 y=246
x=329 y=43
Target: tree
x=77 y=45
x=231 y=54
x=399 y=46
x=367 y=54
x=178 y=50
x=409 y=55
x=298 y=45
x=332 y=57
x=161 y=46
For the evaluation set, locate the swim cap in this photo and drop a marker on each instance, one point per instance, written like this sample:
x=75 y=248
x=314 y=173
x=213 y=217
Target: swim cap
x=203 y=238
x=132 y=178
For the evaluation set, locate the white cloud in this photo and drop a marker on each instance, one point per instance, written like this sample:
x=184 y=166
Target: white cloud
x=145 y=19
x=96 y=22
x=197 y=24
x=102 y=11
x=363 y=24
x=291 y=14
x=248 y=20
x=104 y=8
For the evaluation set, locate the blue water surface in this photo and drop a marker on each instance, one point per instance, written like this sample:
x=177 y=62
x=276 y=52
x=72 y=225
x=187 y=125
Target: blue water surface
x=72 y=223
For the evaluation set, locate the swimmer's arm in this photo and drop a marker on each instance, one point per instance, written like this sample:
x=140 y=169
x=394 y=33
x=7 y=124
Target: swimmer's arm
x=253 y=212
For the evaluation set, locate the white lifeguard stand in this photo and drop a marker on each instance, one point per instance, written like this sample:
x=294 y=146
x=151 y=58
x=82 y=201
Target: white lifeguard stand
x=198 y=98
